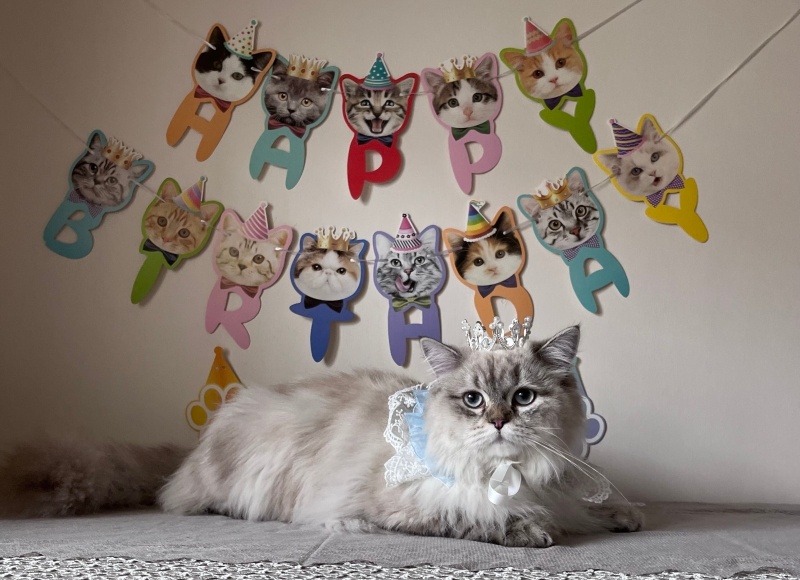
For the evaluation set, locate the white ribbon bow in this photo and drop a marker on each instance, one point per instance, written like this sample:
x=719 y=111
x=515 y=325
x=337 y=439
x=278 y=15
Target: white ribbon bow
x=504 y=483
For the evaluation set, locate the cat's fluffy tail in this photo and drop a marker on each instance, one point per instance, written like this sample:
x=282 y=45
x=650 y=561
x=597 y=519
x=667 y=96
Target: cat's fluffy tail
x=58 y=478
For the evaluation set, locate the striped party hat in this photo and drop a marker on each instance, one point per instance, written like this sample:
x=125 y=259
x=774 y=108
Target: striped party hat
x=378 y=77
x=627 y=141
x=242 y=44
x=255 y=228
x=536 y=40
x=478 y=227
x=191 y=199
x=406 y=239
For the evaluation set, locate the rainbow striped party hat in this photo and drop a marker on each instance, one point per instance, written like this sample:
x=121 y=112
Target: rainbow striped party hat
x=191 y=199
x=478 y=227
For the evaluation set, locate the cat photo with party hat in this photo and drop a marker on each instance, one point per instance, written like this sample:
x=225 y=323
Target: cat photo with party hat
x=647 y=166
x=551 y=70
x=409 y=271
x=226 y=72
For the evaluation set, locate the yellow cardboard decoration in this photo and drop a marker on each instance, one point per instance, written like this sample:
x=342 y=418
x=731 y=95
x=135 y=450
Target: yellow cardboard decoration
x=221 y=386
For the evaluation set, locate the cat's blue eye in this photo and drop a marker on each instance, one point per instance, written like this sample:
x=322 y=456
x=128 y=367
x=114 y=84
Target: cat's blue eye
x=473 y=399
x=477 y=262
x=184 y=233
x=537 y=74
x=341 y=271
x=524 y=397
x=235 y=253
x=636 y=171
x=554 y=225
x=162 y=221
x=452 y=103
x=655 y=156
x=316 y=267
x=258 y=259
x=500 y=254
x=477 y=98
x=396 y=263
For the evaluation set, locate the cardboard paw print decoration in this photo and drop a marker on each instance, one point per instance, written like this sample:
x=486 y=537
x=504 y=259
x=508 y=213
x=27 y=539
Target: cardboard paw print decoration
x=376 y=108
x=296 y=97
x=328 y=272
x=226 y=73
x=466 y=97
x=248 y=258
x=176 y=226
x=488 y=257
x=568 y=219
x=647 y=166
x=102 y=180
x=551 y=70
x=221 y=386
x=409 y=272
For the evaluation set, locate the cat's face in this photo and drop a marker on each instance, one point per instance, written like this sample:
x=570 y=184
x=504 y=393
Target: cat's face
x=377 y=113
x=647 y=169
x=248 y=262
x=465 y=103
x=408 y=274
x=552 y=72
x=530 y=393
x=174 y=229
x=569 y=223
x=488 y=261
x=100 y=181
x=295 y=101
x=328 y=274
x=225 y=75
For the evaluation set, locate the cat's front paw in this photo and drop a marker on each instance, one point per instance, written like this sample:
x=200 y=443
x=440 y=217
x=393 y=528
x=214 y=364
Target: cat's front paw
x=621 y=518
x=527 y=534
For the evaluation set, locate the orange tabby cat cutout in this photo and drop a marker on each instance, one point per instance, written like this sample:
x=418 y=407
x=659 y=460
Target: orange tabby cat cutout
x=647 y=166
x=488 y=258
x=226 y=73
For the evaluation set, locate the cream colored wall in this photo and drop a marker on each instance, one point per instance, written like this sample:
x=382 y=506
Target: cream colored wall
x=696 y=371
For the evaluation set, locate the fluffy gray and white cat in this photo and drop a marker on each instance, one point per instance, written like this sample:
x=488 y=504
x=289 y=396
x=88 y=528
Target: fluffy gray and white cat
x=648 y=168
x=294 y=101
x=314 y=452
x=100 y=181
x=408 y=274
x=377 y=113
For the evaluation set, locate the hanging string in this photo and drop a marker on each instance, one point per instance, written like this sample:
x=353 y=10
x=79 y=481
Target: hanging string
x=744 y=63
x=178 y=23
x=606 y=21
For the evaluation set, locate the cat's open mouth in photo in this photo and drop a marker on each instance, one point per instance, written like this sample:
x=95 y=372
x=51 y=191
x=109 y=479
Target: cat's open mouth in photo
x=404 y=285
x=377 y=125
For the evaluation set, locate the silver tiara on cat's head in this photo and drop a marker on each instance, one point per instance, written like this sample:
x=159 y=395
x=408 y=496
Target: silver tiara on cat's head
x=328 y=240
x=452 y=72
x=120 y=154
x=479 y=339
x=550 y=193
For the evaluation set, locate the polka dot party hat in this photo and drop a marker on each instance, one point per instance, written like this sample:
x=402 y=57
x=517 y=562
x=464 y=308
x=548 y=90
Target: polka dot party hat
x=191 y=199
x=378 y=77
x=406 y=239
x=478 y=227
x=242 y=44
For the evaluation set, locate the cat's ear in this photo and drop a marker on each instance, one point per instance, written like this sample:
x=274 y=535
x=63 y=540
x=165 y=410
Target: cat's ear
x=168 y=191
x=278 y=69
x=428 y=238
x=564 y=33
x=350 y=88
x=261 y=60
x=455 y=240
x=309 y=243
x=405 y=87
x=530 y=206
x=357 y=247
x=209 y=211
x=383 y=243
x=485 y=68
x=96 y=144
x=434 y=80
x=504 y=223
x=513 y=58
x=442 y=358
x=217 y=38
x=561 y=350
x=280 y=237
x=325 y=80
x=139 y=169
x=611 y=162
x=230 y=225
x=649 y=131
x=575 y=182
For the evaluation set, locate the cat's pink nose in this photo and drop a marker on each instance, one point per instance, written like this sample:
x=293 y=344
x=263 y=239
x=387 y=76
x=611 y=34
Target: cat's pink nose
x=498 y=424
x=575 y=231
x=554 y=80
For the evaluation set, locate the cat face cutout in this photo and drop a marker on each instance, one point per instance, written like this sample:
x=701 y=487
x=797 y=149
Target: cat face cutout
x=377 y=113
x=567 y=224
x=552 y=72
x=531 y=390
x=297 y=102
x=647 y=169
x=469 y=102
x=489 y=261
x=102 y=182
x=226 y=76
x=414 y=274
x=174 y=229
x=326 y=274
x=248 y=262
